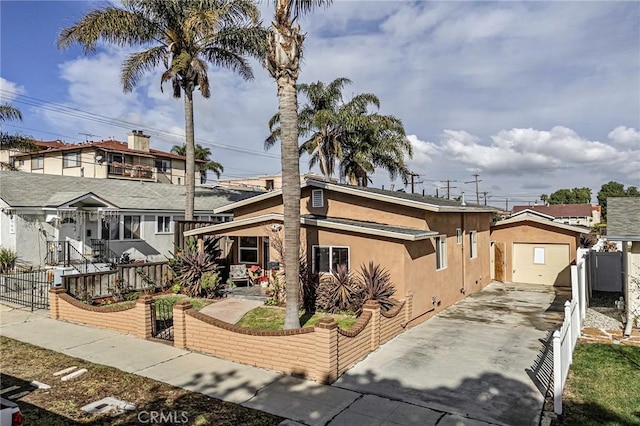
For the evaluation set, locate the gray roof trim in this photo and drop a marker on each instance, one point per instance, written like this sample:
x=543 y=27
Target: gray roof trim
x=623 y=238
x=367 y=193
x=422 y=205
x=535 y=218
x=388 y=231
x=89 y=195
x=234 y=224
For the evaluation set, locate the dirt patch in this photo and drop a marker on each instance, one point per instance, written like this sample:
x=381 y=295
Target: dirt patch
x=22 y=363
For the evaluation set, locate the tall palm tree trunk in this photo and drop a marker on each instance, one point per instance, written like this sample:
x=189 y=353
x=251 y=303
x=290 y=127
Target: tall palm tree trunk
x=288 y=107
x=190 y=151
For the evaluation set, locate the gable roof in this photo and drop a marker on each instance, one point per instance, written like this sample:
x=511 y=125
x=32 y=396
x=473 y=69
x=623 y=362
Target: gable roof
x=33 y=190
x=360 y=227
x=394 y=197
x=536 y=218
x=559 y=210
x=534 y=213
x=108 y=145
x=623 y=218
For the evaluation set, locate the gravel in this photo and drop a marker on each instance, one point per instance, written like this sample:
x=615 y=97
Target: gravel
x=605 y=321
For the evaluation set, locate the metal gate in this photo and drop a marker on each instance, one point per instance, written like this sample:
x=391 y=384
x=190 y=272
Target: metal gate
x=162 y=319
x=29 y=289
x=605 y=271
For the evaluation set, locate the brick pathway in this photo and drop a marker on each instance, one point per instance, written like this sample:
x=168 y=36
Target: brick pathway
x=597 y=335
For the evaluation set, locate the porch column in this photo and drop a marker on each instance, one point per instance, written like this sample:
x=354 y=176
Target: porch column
x=200 y=244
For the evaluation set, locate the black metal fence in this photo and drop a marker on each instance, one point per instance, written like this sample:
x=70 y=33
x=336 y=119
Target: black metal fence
x=162 y=319
x=29 y=289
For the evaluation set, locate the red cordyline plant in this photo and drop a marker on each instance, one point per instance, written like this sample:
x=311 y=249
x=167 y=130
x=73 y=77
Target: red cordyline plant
x=376 y=285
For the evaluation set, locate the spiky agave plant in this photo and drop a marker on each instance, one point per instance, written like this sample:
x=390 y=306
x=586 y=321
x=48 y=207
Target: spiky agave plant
x=340 y=292
x=190 y=265
x=377 y=285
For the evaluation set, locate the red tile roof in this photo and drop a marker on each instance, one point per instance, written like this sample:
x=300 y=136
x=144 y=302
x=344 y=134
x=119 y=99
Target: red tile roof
x=559 y=210
x=112 y=145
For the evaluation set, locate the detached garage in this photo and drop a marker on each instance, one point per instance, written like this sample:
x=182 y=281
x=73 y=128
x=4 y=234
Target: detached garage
x=531 y=248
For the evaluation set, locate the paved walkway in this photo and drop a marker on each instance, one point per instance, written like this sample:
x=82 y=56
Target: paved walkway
x=367 y=394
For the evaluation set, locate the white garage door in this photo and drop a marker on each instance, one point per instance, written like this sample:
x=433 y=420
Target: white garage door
x=541 y=264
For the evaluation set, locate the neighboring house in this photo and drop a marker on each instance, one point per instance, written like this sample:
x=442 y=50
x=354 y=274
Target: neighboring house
x=623 y=222
x=133 y=160
x=43 y=214
x=435 y=249
x=568 y=214
x=531 y=247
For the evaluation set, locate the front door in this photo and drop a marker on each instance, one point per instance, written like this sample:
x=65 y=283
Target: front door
x=499 y=261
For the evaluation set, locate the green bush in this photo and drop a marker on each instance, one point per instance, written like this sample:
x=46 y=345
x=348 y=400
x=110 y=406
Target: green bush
x=376 y=285
x=8 y=260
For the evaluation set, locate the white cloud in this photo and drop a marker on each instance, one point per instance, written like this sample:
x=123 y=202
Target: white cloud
x=9 y=90
x=623 y=135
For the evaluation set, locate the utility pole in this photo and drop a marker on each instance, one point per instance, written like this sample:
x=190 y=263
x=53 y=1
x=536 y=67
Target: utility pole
x=506 y=205
x=449 y=188
x=412 y=181
x=477 y=192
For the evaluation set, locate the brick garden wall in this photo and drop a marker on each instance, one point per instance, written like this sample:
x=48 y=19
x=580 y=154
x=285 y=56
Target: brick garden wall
x=321 y=353
x=134 y=320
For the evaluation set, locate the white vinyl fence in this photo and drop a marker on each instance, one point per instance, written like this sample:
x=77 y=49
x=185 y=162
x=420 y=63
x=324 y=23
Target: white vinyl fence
x=564 y=339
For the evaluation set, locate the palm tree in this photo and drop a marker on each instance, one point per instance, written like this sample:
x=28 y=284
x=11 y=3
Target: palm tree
x=375 y=141
x=347 y=132
x=284 y=49
x=15 y=141
x=184 y=36
x=202 y=153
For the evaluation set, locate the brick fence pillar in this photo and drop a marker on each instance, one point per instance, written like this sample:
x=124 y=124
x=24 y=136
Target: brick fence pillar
x=373 y=307
x=180 y=324
x=326 y=350
x=144 y=327
x=54 y=304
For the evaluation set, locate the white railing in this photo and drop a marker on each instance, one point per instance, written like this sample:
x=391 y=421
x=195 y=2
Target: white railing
x=565 y=339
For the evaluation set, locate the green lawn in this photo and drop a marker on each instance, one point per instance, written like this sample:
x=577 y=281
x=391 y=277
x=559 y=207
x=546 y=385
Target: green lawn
x=272 y=318
x=196 y=303
x=603 y=386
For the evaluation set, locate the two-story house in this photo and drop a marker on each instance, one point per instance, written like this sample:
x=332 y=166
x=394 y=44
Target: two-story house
x=107 y=159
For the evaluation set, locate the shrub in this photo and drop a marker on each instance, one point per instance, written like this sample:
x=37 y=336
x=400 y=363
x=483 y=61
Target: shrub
x=8 y=259
x=377 y=285
x=190 y=265
x=212 y=285
x=340 y=292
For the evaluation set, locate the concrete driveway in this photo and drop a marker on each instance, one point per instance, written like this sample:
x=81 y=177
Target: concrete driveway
x=483 y=359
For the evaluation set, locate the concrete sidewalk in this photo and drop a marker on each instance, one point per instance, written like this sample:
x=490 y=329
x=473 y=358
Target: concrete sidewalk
x=300 y=401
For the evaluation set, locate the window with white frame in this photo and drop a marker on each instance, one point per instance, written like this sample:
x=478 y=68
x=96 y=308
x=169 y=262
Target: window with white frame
x=37 y=162
x=317 y=198
x=163 y=224
x=441 y=252
x=248 y=250
x=473 y=244
x=458 y=235
x=327 y=258
x=131 y=227
x=538 y=255
x=70 y=159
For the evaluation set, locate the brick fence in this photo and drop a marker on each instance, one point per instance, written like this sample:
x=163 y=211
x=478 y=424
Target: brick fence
x=134 y=320
x=320 y=353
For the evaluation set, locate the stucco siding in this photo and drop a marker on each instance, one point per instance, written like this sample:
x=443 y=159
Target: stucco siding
x=531 y=232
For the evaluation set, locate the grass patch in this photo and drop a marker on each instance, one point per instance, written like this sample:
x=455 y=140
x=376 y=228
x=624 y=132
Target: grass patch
x=196 y=303
x=603 y=386
x=21 y=363
x=272 y=318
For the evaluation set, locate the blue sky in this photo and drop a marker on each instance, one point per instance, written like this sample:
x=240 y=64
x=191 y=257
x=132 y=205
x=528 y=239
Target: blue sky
x=532 y=96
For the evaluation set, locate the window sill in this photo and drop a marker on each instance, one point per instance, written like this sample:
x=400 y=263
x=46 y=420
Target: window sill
x=164 y=233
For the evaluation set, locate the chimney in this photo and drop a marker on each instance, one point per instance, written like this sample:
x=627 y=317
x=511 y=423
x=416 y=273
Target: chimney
x=138 y=141
x=462 y=198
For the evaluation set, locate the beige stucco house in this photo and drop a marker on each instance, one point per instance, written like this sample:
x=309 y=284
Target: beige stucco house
x=435 y=249
x=532 y=248
x=110 y=159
